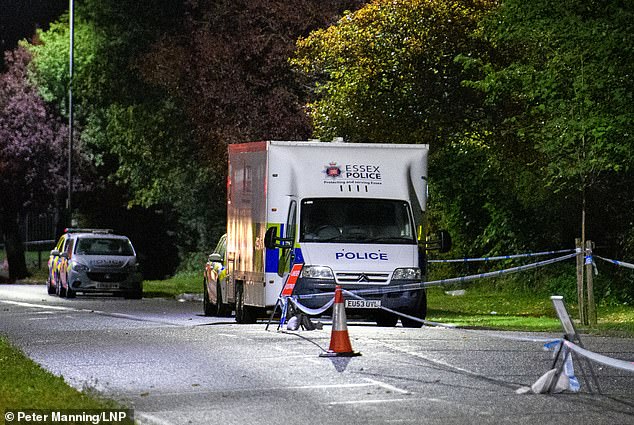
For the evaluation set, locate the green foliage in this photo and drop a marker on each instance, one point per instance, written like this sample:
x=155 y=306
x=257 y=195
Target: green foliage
x=182 y=283
x=564 y=70
x=193 y=262
x=386 y=72
x=160 y=88
x=135 y=133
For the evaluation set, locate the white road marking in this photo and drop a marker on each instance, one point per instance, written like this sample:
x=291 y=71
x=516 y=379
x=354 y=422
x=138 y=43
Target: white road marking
x=390 y=400
x=387 y=386
x=49 y=307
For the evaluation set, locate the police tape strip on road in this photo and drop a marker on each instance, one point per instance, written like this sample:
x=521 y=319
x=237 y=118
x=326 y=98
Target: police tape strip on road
x=455 y=327
x=600 y=358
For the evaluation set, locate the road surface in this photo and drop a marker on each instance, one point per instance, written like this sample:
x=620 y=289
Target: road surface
x=174 y=366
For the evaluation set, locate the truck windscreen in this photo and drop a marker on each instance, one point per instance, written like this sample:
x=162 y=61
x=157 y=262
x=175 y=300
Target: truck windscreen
x=354 y=220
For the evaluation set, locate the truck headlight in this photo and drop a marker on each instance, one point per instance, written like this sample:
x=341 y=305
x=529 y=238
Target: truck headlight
x=407 y=273
x=317 y=272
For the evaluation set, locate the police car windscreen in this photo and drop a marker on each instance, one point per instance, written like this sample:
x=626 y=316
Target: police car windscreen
x=356 y=221
x=104 y=246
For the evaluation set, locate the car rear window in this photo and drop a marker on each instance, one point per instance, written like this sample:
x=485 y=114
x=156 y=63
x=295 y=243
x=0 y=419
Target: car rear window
x=104 y=246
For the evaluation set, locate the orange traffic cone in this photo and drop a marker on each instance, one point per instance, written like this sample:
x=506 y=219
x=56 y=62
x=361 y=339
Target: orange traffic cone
x=339 y=340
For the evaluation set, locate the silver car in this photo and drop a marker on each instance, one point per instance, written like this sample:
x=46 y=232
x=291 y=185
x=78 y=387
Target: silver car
x=94 y=260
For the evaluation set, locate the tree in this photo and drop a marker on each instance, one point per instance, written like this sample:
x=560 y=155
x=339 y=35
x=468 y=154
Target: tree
x=561 y=87
x=233 y=75
x=32 y=155
x=387 y=71
x=161 y=88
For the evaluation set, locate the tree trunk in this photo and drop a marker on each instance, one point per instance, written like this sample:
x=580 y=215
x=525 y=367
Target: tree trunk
x=14 y=247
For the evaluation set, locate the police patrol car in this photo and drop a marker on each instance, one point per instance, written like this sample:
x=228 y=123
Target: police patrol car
x=94 y=260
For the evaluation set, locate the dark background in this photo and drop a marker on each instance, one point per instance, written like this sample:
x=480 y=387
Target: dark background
x=20 y=18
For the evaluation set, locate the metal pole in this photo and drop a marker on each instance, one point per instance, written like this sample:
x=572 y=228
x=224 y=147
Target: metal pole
x=70 y=112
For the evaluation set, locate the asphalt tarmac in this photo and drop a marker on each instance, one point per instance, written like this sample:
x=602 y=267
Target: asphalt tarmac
x=174 y=366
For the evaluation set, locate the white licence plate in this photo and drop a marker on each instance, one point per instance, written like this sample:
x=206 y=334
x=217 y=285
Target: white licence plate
x=363 y=303
x=107 y=286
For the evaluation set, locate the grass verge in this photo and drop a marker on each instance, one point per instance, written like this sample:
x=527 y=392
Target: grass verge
x=483 y=306
x=26 y=385
x=182 y=283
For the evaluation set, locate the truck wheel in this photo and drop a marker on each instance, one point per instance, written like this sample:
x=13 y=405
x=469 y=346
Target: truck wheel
x=420 y=313
x=385 y=319
x=244 y=313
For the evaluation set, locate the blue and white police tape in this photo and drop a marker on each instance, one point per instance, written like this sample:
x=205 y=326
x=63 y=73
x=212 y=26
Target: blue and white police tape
x=501 y=257
x=312 y=311
x=600 y=358
x=452 y=326
x=618 y=263
x=463 y=279
x=321 y=310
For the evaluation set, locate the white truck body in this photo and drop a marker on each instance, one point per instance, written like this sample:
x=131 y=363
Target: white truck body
x=366 y=205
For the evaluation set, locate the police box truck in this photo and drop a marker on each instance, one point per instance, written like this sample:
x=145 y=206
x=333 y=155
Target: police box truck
x=352 y=214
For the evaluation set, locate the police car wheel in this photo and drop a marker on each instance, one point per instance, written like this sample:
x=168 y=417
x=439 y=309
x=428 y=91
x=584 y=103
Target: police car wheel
x=49 y=287
x=223 y=309
x=135 y=294
x=209 y=309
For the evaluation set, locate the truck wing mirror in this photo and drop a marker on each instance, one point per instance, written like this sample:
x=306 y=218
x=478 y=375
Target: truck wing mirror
x=269 y=238
x=442 y=243
x=215 y=258
x=272 y=241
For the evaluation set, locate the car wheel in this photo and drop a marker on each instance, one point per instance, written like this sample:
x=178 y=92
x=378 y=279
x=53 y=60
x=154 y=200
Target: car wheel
x=209 y=309
x=69 y=291
x=421 y=313
x=59 y=288
x=136 y=294
x=223 y=309
x=244 y=314
x=49 y=287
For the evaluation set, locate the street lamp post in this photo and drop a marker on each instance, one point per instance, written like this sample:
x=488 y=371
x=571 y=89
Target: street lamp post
x=70 y=113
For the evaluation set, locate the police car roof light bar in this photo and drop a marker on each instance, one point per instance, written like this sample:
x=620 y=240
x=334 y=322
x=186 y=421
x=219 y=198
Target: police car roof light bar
x=80 y=230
